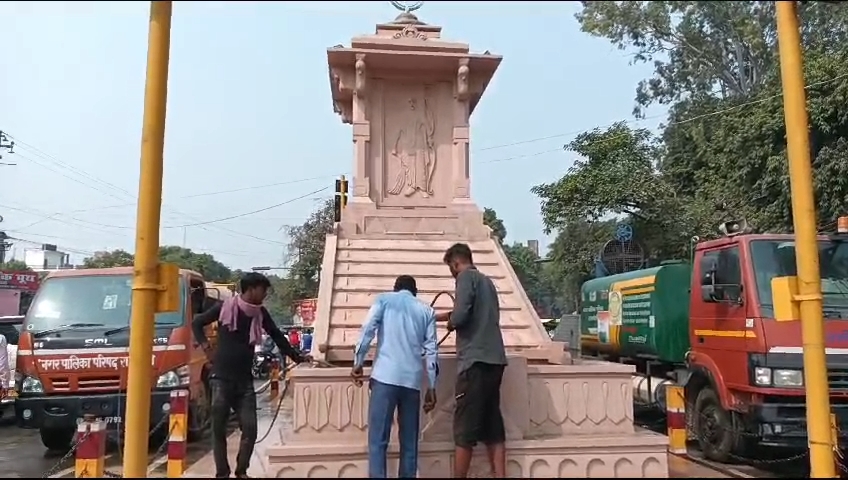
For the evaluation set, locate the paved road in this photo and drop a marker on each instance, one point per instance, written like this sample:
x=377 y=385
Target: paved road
x=23 y=456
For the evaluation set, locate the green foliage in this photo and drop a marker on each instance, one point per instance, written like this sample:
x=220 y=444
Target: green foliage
x=527 y=265
x=203 y=263
x=15 y=266
x=697 y=48
x=490 y=218
x=115 y=258
x=306 y=252
x=722 y=154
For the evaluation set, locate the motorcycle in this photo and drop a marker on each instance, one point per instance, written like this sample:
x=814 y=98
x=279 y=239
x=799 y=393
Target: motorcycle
x=262 y=365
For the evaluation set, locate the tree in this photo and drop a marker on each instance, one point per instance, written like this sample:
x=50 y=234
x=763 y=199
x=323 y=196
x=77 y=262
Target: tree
x=306 y=250
x=15 y=266
x=115 y=258
x=616 y=175
x=697 y=48
x=491 y=220
x=734 y=165
x=525 y=263
x=572 y=258
x=202 y=263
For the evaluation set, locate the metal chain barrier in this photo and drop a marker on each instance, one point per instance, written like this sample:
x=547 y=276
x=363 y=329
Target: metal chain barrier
x=107 y=473
x=693 y=432
x=71 y=451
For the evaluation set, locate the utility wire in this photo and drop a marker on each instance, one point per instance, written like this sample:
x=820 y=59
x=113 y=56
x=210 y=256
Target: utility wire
x=265 y=209
x=511 y=158
x=47 y=157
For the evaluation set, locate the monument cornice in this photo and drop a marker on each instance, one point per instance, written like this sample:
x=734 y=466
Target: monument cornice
x=392 y=62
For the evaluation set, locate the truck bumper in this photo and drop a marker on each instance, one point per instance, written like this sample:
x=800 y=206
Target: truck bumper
x=785 y=425
x=64 y=412
x=7 y=405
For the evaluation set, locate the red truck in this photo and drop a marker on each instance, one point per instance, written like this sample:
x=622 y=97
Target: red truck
x=73 y=352
x=723 y=328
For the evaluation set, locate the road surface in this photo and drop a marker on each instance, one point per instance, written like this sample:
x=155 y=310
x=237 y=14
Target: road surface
x=23 y=456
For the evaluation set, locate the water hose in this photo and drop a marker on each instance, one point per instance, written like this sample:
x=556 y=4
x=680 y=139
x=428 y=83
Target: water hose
x=430 y=419
x=433 y=303
x=279 y=404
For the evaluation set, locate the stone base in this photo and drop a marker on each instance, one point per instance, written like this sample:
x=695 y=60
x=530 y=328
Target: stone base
x=562 y=421
x=638 y=455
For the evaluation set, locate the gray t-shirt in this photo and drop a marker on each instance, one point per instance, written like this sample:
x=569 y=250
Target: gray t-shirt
x=476 y=319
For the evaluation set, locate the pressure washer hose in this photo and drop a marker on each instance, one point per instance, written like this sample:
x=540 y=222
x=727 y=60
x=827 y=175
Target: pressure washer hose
x=326 y=364
x=433 y=304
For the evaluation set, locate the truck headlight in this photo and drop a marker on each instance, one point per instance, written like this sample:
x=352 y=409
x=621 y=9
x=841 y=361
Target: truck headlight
x=31 y=385
x=779 y=377
x=788 y=378
x=175 y=378
x=762 y=376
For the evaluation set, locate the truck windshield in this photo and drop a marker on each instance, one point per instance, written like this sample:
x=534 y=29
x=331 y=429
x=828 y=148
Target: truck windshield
x=88 y=300
x=776 y=258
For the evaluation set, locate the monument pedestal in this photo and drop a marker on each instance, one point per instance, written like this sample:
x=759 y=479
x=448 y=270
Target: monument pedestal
x=409 y=95
x=563 y=421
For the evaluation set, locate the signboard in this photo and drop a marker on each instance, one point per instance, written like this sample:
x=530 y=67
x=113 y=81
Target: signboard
x=304 y=312
x=19 y=280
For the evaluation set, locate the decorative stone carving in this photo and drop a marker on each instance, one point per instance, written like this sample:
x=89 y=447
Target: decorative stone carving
x=414 y=151
x=411 y=32
x=361 y=80
x=462 y=80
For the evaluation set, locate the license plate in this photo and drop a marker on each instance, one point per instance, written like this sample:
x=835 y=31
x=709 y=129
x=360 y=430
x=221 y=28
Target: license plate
x=107 y=420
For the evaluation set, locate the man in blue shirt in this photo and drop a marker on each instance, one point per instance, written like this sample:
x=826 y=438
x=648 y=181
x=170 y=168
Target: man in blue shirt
x=405 y=328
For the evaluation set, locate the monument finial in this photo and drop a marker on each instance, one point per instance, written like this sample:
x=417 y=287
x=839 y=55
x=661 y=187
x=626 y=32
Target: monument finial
x=407 y=7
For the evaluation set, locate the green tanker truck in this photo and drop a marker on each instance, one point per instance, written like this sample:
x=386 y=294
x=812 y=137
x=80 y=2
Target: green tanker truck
x=724 y=327
x=640 y=315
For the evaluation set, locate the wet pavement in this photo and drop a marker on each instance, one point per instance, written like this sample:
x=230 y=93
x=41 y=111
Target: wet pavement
x=270 y=434
x=23 y=456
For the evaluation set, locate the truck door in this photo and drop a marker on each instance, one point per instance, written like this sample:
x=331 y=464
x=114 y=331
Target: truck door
x=718 y=320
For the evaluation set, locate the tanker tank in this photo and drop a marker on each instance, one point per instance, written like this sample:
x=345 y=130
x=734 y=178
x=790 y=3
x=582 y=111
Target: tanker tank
x=642 y=314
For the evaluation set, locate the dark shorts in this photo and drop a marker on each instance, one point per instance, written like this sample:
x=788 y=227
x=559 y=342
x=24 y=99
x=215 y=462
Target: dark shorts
x=477 y=418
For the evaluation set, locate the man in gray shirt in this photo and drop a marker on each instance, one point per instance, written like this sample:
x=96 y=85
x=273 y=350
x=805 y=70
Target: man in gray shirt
x=481 y=359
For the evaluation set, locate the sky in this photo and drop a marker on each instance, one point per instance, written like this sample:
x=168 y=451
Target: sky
x=250 y=122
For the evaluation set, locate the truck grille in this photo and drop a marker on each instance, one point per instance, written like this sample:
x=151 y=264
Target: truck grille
x=837 y=379
x=86 y=384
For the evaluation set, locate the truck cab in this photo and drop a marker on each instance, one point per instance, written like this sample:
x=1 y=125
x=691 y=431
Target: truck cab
x=745 y=381
x=73 y=354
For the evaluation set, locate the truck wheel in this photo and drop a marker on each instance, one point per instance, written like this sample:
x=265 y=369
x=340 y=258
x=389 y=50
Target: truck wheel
x=713 y=426
x=57 y=439
x=200 y=414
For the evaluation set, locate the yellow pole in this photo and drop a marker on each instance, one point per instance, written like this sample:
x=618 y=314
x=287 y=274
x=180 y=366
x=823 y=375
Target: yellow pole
x=145 y=274
x=806 y=246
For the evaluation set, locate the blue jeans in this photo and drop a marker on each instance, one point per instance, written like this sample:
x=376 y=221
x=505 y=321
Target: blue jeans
x=385 y=399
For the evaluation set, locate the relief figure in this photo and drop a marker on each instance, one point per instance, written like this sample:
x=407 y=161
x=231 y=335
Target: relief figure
x=415 y=150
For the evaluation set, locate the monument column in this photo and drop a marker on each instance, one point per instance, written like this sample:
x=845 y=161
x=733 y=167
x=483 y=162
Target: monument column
x=361 y=132
x=462 y=112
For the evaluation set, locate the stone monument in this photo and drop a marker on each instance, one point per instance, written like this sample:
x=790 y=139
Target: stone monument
x=409 y=93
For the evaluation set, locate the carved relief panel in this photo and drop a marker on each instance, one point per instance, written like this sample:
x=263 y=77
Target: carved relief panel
x=412 y=129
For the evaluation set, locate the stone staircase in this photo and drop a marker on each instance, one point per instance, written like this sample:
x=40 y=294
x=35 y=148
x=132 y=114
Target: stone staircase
x=563 y=419
x=364 y=268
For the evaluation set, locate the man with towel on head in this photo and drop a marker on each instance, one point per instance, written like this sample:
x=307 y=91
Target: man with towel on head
x=242 y=319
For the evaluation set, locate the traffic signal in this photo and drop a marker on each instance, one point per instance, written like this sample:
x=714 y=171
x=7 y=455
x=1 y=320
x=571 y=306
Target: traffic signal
x=340 y=199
